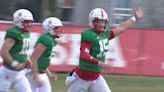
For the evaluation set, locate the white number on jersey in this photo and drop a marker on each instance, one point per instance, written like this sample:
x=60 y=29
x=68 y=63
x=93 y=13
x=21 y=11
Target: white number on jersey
x=52 y=53
x=104 y=46
x=25 y=46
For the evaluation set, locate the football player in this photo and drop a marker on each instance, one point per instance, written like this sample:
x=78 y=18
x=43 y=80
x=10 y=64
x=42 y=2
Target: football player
x=14 y=53
x=43 y=52
x=94 y=45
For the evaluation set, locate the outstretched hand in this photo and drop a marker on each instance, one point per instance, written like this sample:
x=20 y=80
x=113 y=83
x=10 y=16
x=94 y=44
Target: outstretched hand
x=138 y=13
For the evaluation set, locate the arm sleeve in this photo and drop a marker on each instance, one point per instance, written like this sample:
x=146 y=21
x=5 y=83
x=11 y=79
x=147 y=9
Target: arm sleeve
x=44 y=40
x=13 y=35
x=111 y=34
x=84 y=53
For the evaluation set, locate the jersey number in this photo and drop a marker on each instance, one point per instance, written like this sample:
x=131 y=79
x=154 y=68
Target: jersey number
x=52 y=53
x=104 y=46
x=25 y=46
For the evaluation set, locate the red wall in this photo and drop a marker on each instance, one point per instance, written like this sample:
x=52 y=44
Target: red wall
x=142 y=50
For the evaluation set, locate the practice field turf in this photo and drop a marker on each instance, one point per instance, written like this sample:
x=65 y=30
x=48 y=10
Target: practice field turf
x=119 y=83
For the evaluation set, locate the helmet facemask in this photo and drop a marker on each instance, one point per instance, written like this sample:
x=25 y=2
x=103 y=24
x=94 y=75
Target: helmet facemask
x=100 y=25
x=58 y=31
x=27 y=24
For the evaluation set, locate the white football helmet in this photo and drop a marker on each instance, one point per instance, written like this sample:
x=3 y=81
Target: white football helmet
x=97 y=14
x=20 y=15
x=50 y=23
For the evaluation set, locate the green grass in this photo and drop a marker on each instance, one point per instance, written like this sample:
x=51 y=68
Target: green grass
x=119 y=83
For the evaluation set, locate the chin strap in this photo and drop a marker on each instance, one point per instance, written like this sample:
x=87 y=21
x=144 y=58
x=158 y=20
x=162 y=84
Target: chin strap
x=56 y=36
x=25 y=31
x=99 y=31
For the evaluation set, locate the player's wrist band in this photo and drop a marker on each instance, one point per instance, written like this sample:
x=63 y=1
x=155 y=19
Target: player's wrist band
x=14 y=63
x=133 y=19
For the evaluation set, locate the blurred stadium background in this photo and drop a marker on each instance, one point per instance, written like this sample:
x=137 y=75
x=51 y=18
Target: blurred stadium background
x=75 y=12
x=137 y=55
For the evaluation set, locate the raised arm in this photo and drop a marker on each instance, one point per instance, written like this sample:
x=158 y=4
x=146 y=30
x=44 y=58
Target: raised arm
x=138 y=14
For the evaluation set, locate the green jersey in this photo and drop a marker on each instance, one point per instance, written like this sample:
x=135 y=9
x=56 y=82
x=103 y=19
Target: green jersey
x=44 y=60
x=100 y=45
x=21 y=46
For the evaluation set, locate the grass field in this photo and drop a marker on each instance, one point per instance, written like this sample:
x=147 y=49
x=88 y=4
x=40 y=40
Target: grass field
x=119 y=83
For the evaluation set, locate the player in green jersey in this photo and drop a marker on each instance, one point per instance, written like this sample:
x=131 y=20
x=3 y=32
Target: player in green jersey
x=14 y=53
x=43 y=52
x=94 y=45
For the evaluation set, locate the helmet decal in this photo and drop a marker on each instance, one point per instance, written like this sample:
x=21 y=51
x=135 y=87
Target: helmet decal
x=102 y=14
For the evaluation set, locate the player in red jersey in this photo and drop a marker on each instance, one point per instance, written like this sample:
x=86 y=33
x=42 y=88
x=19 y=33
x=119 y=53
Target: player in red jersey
x=94 y=45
